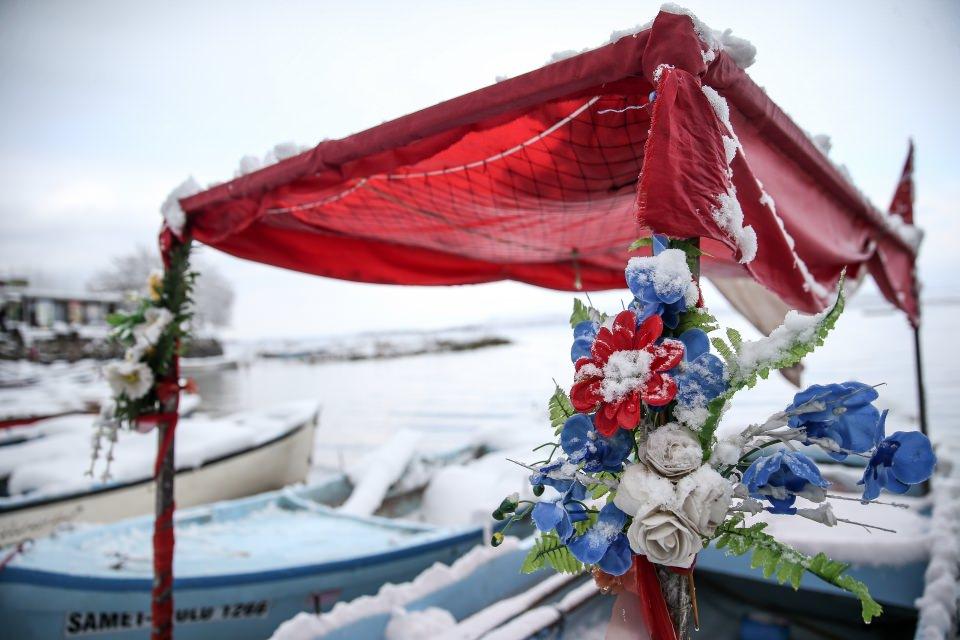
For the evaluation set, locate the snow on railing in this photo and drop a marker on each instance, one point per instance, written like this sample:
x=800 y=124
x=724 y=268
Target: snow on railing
x=938 y=605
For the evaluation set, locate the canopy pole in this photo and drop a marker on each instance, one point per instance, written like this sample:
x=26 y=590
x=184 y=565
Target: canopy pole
x=921 y=388
x=163 y=535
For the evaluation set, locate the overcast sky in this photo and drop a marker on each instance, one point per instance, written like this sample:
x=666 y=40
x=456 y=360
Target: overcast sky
x=105 y=106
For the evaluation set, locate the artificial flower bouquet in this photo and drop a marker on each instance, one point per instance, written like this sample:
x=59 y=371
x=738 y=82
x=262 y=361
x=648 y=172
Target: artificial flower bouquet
x=145 y=381
x=638 y=477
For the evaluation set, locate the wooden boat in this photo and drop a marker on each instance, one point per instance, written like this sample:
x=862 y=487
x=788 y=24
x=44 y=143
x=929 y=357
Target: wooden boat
x=242 y=566
x=222 y=458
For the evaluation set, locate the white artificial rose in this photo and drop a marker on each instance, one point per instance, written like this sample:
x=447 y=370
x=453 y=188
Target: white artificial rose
x=135 y=379
x=641 y=489
x=703 y=497
x=155 y=321
x=665 y=537
x=673 y=450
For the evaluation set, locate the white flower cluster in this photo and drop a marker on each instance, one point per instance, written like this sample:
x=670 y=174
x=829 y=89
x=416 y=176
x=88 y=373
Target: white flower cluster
x=132 y=376
x=675 y=499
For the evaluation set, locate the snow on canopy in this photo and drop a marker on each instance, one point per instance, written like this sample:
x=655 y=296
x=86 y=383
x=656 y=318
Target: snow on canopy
x=547 y=177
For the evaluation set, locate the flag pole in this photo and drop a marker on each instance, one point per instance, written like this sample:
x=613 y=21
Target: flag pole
x=921 y=388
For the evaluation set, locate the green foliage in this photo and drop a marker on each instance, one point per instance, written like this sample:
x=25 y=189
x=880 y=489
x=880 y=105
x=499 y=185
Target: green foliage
x=788 y=564
x=550 y=551
x=581 y=313
x=697 y=318
x=692 y=252
x=640 y=243
x=785 y=357
x=560 y=409
x=600 y=489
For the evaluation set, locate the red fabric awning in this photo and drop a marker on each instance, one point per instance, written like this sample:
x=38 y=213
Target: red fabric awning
x=538 y=179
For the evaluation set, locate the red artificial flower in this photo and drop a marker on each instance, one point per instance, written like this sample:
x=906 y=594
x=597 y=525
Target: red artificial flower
x=626 y=367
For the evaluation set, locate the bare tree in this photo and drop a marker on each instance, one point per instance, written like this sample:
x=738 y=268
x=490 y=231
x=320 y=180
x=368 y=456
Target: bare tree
x=213 y=294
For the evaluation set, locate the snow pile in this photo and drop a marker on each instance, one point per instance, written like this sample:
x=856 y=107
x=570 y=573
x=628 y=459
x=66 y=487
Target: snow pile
x=740 y=50
x=756 y=354
x=373 y=476
x=505 y=610
x=428 y=623
x=173 y=215
x=279 y=152
x=50 y=465
x=464 y=494
x=31 y=390
x=938 y=605
x=535 y=620
x=305 y=626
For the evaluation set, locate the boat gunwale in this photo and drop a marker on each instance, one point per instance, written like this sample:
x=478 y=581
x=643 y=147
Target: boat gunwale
x=45 y=578
x=67 y=497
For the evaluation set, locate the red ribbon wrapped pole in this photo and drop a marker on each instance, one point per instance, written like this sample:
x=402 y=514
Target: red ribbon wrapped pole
x=640 y=611
x=168 y=392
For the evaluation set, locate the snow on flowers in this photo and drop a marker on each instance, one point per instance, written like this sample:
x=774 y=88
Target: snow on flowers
x=638 y=469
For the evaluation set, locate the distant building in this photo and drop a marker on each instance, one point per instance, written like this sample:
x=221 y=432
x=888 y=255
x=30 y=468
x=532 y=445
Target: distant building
x=24 y=306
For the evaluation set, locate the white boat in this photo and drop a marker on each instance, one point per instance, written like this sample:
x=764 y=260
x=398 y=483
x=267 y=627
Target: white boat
x=207 y=364
x=217 y=459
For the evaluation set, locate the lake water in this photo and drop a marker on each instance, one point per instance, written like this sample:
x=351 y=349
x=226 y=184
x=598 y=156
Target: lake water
x=505 y=388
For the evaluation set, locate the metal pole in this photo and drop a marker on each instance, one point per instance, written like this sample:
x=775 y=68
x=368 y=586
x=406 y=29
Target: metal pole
x=921 y=389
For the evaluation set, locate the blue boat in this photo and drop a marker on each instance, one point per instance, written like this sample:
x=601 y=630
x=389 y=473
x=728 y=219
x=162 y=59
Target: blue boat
x=242 y=567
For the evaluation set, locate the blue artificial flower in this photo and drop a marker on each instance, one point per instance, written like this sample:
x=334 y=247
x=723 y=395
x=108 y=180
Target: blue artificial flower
x=901 y=459
x=583 y=444
x=701 y=375
x=562 y=512
x=847 y=418
x=780 y=477
x=543 y=477
x=583 y=336
x=666 y=297
x=604 y=544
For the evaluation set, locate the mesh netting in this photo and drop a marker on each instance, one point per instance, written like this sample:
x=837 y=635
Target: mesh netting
x=555 y=183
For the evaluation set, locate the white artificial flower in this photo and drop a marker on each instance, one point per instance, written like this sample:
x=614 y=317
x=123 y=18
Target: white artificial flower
x=135 y=379
x=673 y=450
x=665 y=537
x=641 y=490
x=728 y=450
x=703 y=497
x=155 y=321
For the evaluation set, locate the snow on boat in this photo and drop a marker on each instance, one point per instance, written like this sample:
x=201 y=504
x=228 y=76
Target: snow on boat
x=41 y=427
x=208 y=364
x=45 y=484
x=242 y=567
x=31 y=391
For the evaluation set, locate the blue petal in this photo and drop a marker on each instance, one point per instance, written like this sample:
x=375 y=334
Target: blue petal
x=581 y=349
x=618 y=558
x=585 y=329
x=565 y=528
x=575 y=439
x=546 y=515
x=616 y=450
x=695 y=343
x=856 y=394
x=804 y=467
x=660 y=243
x=860 y=428
x=913 y=462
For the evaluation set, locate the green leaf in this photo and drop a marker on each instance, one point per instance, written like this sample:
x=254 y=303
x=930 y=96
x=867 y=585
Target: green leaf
x=775 y=557
x=560 y=409
x=581 y=313
x=640 y=243
x=724 y=351
x=735 y=338
x=696 y=318
x=548 y=550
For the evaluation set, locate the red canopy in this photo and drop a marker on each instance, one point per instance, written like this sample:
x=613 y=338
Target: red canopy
x=538 y=179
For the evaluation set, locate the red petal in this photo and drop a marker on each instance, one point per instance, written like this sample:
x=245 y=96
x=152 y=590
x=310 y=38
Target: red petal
x=624 y=327
x=659 y=390
x=606 y=426
x=630 y=411
x=602 y=346
x=585 y=395
x=649 y=331
x=666 y=355
x=581 y=362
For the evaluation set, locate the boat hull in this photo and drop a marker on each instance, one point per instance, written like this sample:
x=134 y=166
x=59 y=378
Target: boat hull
x=271 y=465
x=35 y=604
